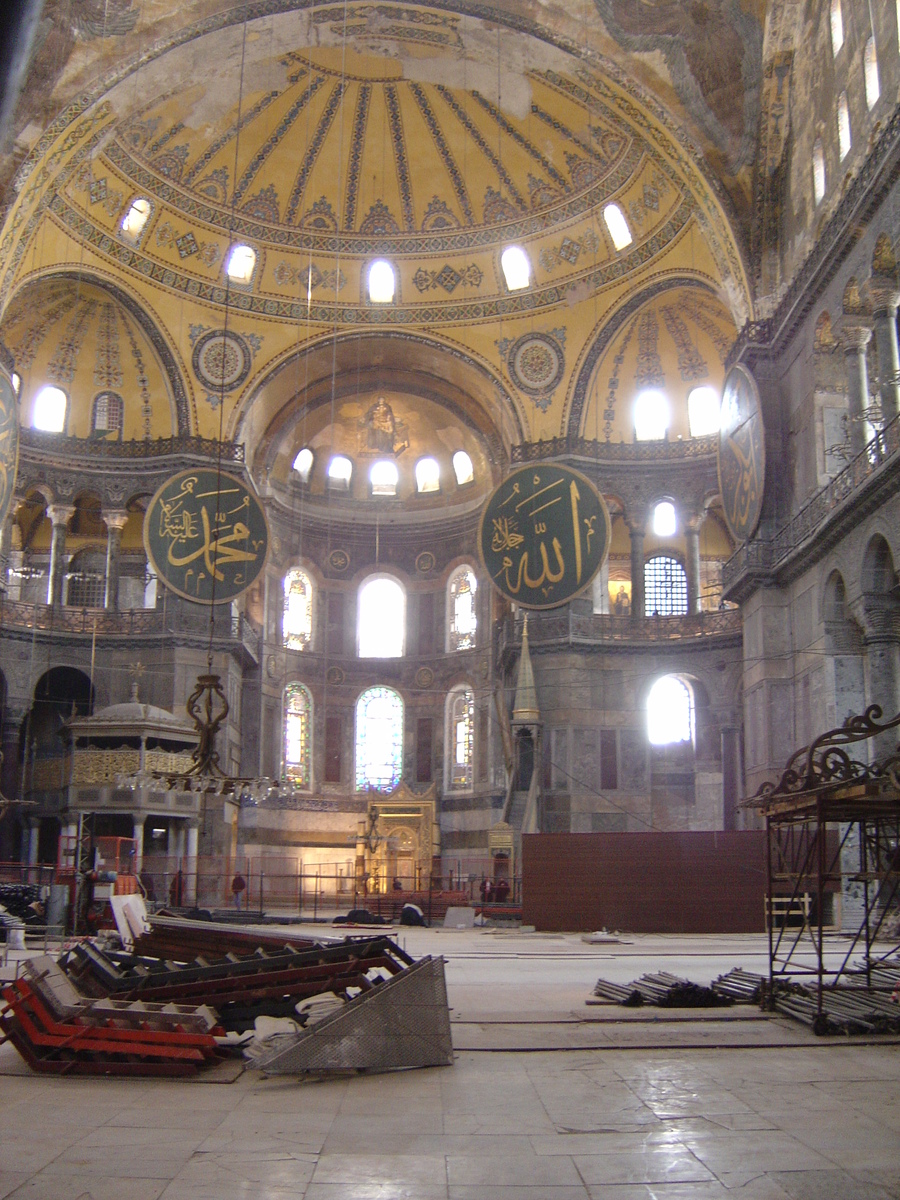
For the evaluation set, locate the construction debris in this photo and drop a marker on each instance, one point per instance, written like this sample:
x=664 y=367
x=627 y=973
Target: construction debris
x=176 y=1001
x=740 y=986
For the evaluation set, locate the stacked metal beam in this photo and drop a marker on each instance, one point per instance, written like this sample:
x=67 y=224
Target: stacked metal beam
x=661 y=989
x=241 y=987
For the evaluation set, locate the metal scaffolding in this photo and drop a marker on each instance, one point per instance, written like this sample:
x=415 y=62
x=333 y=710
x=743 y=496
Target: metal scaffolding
x=833 y=828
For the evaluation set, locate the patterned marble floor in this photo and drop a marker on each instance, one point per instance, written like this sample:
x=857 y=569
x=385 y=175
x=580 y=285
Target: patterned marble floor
x=813 y=1121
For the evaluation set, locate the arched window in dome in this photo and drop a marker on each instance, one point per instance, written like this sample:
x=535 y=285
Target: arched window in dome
x=651 y=416
x=298 y=735
x=136 y=218
x=665 y=587
x=381 y=629
x=664 y=521
x=461 y=617
x=16 y=379
x=843 y=119
x=837 y=26
x=460 y=739
x=340 y=469
x=107 y=416
x=383 y=477
x=516 y=268
x=617 y=226
x=296 y=620
x=818 y=170
x=49 y=413
x=462 y=468
x=873 y=87
x=428 y=475
x=241 y=263
x=670 y=711
x=303 y=464
x=379 y=740
x=382 y=282
x=703 y=410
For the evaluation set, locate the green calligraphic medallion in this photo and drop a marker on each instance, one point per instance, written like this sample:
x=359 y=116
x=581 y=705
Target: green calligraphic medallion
x=9 y=442
x=206 y=535
x=742 y=453
x=544 y=535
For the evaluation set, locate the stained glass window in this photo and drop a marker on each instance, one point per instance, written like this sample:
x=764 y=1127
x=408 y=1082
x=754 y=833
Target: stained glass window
x=296 y=623
x=297 y=728
x=665 y=587
x=379 y=740
x=460 y=741
x=461 y=610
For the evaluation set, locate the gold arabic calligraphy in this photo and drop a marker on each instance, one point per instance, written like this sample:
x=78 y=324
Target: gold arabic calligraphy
x=214 y=535
x=507 y=539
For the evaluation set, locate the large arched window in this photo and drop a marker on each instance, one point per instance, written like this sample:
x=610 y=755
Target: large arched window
x=818 y=170
x=379 y=740
x=49 y=413
x=296 y=621
x=461 y=618
x=382 y=619
x=870 y=63
x=843 y=119
x=298 y=735
x=651 y=416
x=670 y=711
x=460 y=739
x=665 y=587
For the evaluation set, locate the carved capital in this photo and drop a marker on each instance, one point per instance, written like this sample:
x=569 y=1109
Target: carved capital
x=115 y=519
x=854 y=336
x=60 y=514
x=884 y=295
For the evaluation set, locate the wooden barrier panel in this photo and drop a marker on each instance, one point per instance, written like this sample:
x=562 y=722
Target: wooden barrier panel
x=645 y=882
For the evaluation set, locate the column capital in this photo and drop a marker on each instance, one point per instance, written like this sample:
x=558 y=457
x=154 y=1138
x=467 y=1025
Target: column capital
x=693 y=522
x=883 y=292
x=60 y=514
x=853 y=335
x=115 y=518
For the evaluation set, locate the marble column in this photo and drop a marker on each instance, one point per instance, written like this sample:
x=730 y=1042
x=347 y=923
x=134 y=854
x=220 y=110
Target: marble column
x=692 y=562
x=138 y=844
x=855 y=338
x=59 y=515
x=884 y=298
x=882 y=642
x=115 y=523
x=190 y=874
x=637 y=571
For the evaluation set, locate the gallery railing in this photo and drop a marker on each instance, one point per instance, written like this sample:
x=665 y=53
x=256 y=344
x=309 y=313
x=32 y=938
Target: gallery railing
x=571 y=627
x=767 y=554
x=189 y=447
x=582 y=447
x=132 y=622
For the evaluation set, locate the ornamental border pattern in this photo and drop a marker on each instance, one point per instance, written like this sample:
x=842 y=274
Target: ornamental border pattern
x=328 y=313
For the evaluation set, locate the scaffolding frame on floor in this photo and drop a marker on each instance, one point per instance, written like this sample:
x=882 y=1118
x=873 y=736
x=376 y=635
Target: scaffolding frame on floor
x=827 y=808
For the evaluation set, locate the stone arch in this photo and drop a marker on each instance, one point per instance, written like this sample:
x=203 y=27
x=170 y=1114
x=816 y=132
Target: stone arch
x=881 y=618
x=844 y=646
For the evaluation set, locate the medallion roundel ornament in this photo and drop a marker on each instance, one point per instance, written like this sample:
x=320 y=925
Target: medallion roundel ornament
x=206 y=535
x=742 y=453
x=9 y=442
x=544 y=535
x=536 y=363
x=221 y=360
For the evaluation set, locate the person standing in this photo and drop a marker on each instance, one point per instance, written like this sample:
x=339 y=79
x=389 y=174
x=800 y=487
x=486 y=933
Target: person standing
x=238 y=887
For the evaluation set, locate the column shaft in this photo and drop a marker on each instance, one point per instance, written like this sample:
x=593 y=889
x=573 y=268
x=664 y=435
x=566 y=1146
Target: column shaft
x=856 y=338
x=114 y=525
x=637 y=573
x=692 y=566
x=59 y=515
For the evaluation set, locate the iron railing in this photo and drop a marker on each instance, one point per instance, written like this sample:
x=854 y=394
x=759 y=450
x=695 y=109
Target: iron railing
x=582 y=447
